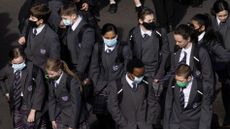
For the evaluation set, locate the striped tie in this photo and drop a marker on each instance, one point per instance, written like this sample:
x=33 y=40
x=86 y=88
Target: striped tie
x=183 y=61
x=182 y=98
x=17 y=90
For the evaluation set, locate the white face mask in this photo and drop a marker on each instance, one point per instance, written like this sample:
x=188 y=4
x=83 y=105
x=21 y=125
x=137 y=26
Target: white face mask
x=110 y=42
x=138 y=80
x=18 y=67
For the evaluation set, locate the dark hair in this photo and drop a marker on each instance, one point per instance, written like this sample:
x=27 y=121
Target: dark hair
x=68 y=8
x=145 y=11
x=134 y=63
x=187 y=32
x=108 y=27
x=183 y=70
x=16 y=52
x=218 y=6
x=203 y=20
x=40 y=11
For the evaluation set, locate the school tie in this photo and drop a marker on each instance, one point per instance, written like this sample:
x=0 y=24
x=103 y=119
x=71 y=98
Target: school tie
x=134 y=86
x=34 y=32
x=183 y=61
x=145 y=36
x=17 y=90
x=182 y=98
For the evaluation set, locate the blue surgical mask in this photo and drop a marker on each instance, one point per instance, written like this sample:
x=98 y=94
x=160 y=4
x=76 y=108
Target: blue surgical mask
x=67 y=22
x=110 y=42
x=18 y=67
x=138 y=80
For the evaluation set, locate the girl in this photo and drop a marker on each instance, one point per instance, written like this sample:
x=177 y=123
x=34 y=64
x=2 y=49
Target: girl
x=64 y=96
x=23 y=86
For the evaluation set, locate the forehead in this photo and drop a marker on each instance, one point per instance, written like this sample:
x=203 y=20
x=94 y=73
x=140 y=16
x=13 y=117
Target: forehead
x=195 y=23
x=65 y=16
x=180 y=78
x=221 y=13
x=110 y=34
x=18 y=60
x=149 y=17
x=178 y=37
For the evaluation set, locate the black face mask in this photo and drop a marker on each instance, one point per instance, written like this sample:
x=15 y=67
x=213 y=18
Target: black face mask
x=149 y=26
x=33 y=24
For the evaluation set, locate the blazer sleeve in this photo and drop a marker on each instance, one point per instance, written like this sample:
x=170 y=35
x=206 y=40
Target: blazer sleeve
x=3 y=78
x=206 y=69
x=222 y=54
x=164 y=55
x=52 y=103
x=88 y=41
x=168 y=107
x=154 y=107
x=206 y=109
x=55 y=47
x=113 y=106
x=39 y=92
x=94 y=69
x=75 y=97
x=127 y=54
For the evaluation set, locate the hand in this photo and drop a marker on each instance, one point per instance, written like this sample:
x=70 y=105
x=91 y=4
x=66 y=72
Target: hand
x=156 y=80
x=70 y=128
x=22 y=40
x=85 y=6
x=54 y=125
x=86 y=81
x=7 y=95
x=31 y=116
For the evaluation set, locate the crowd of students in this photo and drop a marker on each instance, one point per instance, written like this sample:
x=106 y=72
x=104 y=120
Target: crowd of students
x=66 y=68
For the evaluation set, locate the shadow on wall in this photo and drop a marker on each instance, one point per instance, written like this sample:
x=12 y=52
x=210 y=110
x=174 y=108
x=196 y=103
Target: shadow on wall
x=6 y=37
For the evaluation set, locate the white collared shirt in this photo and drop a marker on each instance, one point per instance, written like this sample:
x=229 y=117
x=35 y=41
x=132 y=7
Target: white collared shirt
x=187 y=92
x=56 y=82
x=110 y=48
x=130 y=82
x=39 y=29
x=201 y=36
x=76 y=23
x=218 y=21
x=148 y=32
x=188 y=51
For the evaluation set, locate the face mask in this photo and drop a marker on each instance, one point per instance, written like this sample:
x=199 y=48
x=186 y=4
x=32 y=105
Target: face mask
x=110 y=42
x=67 y=22
x=182 y=84
x=33 y=24
x=149 y=26
x=138 y=80
x=18 y=67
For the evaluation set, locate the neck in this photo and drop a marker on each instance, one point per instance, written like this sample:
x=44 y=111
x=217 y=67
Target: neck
x=188 y=45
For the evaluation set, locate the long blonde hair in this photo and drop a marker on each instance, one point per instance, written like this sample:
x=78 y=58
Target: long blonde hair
x=53 y=64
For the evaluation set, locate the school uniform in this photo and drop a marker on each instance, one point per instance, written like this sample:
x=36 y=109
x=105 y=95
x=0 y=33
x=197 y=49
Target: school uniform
x=78 y=53
x=42 y=43
x=224 y=68
x=199 y=61
x=26 y=93
x=65 y=102
x=152 y=47
x=136 y=109
x=188 y=108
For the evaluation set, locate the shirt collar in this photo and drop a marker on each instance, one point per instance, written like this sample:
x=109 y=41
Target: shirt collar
x=201 y=36
x=59 y=79
x=39 y=29
x=110 y=48
x=76 y=23
x=130 y=82
x=218 y=21
x=148 y=32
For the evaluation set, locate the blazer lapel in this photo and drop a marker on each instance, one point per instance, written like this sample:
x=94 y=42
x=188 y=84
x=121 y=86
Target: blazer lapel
x=193 y=93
